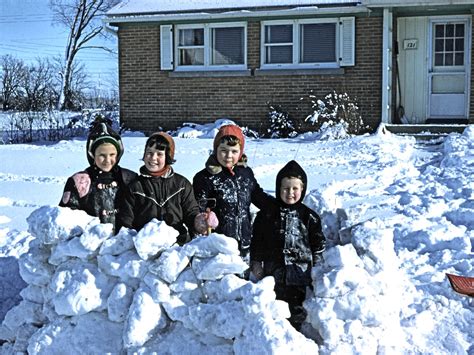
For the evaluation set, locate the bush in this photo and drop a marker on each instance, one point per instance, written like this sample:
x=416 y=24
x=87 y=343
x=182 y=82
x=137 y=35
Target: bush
x=281 y=125
x=335 y=109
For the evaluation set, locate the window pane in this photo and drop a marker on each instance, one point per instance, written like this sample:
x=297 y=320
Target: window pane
x=449 y=30
x=460 y=30
x=228 y=45
x=448 y=59
x=191 y=37
x=318 y=43
x=459 y=44
x=191 y=56
x=459 y=59
x=279 y=34
x=439 y=59
x=439 y=45
x=439 y=31
x=449 y=44
x=279 y=55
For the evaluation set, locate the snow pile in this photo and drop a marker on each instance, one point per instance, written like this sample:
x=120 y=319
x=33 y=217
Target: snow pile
x=91 y=292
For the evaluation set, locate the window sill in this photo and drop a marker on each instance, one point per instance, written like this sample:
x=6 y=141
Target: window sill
x=209 y=73
x=325 y=71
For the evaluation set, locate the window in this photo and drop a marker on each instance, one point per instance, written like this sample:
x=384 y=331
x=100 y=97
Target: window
x=211 y=47
x=327 y=43
x=449 y=44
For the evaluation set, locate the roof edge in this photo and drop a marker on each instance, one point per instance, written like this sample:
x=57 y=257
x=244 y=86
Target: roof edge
x=312 y=10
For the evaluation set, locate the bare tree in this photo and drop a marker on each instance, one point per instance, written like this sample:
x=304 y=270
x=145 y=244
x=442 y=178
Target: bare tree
x=37 y=86
x=79 y=83
x=83 y=20
x=12 y=74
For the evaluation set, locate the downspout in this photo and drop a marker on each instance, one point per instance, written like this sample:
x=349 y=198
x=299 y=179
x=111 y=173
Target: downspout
x=387 y=66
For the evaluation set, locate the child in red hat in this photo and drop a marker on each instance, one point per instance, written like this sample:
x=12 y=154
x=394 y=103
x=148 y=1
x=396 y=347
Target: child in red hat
x=230 y=187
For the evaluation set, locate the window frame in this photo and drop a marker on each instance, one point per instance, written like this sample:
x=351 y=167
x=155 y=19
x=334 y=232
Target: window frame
x=297 y=64
x=207 y=66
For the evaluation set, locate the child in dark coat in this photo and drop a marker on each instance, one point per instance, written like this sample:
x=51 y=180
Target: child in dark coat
x=288 y=241
x=97 y=189
x=230 y=184
x=159 y=192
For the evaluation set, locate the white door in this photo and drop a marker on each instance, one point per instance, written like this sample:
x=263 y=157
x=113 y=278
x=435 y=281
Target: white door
x=448 y=74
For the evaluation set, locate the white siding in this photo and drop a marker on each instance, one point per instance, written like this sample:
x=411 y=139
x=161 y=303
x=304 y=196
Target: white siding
x=413 y=67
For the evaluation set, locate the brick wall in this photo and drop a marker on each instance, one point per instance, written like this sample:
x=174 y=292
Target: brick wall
x=151 y=98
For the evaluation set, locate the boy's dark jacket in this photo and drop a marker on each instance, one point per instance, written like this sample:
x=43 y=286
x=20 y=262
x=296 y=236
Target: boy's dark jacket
x=168 y=198
x=97 y=192
x=233 y=192
x=289 y=239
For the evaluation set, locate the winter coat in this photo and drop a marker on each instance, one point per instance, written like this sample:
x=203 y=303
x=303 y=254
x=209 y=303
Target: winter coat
x=230 y=195
x=168 y=198
x=288 y=239
x=97 y=192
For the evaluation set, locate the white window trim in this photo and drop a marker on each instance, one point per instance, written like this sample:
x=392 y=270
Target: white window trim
x=296 y=45
x=207 y=47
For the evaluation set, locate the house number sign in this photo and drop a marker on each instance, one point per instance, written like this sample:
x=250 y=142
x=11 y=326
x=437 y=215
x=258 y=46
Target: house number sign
x=410 y=44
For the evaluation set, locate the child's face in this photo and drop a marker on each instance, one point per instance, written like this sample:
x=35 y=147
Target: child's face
x=228 y=155
x=290 y=190
x=105 y=157
x=154 y=159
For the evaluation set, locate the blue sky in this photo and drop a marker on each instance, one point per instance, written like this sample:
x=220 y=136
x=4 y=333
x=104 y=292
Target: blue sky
x=27 y=32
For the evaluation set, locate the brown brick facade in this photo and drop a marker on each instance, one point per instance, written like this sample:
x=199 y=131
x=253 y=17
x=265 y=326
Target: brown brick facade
x=151 y=98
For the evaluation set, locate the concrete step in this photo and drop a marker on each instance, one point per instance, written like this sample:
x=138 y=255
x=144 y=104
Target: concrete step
x=425 y=131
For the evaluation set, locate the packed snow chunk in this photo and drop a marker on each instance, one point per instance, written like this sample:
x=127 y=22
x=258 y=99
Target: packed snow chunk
x=341 y=255
x=52 y=224
x=373 y=241
x=79 y=287
x=216 y=267
x=153 y=238
x=145 y=317
x=63 y=251
x=170 y=264
x=125 y=266
x=226 y=320
x=95 y=235
x=265 y=335
x=34 y=266
x=120 y=243
x=159 y=289
x=25 y=312
x=213 y=244
x=180 y=340
x=186 y=281
x=91 y=333
x=119 y=302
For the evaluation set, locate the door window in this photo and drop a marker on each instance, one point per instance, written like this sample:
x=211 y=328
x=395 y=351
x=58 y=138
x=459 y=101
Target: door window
x=449 y=44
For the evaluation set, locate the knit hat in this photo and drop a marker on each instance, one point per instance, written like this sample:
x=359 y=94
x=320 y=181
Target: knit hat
x=230 y=130
x=99 y=134
x=159 y=136
x=291 y=169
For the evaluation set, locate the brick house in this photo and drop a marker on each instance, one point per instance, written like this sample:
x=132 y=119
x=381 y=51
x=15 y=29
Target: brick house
x=200 y=61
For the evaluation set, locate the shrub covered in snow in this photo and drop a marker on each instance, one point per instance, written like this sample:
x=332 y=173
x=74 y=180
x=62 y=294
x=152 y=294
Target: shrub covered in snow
x=334 y=109
x=281 y=125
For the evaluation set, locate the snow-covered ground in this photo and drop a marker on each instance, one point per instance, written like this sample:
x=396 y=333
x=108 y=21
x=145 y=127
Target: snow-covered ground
x=398 y=216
